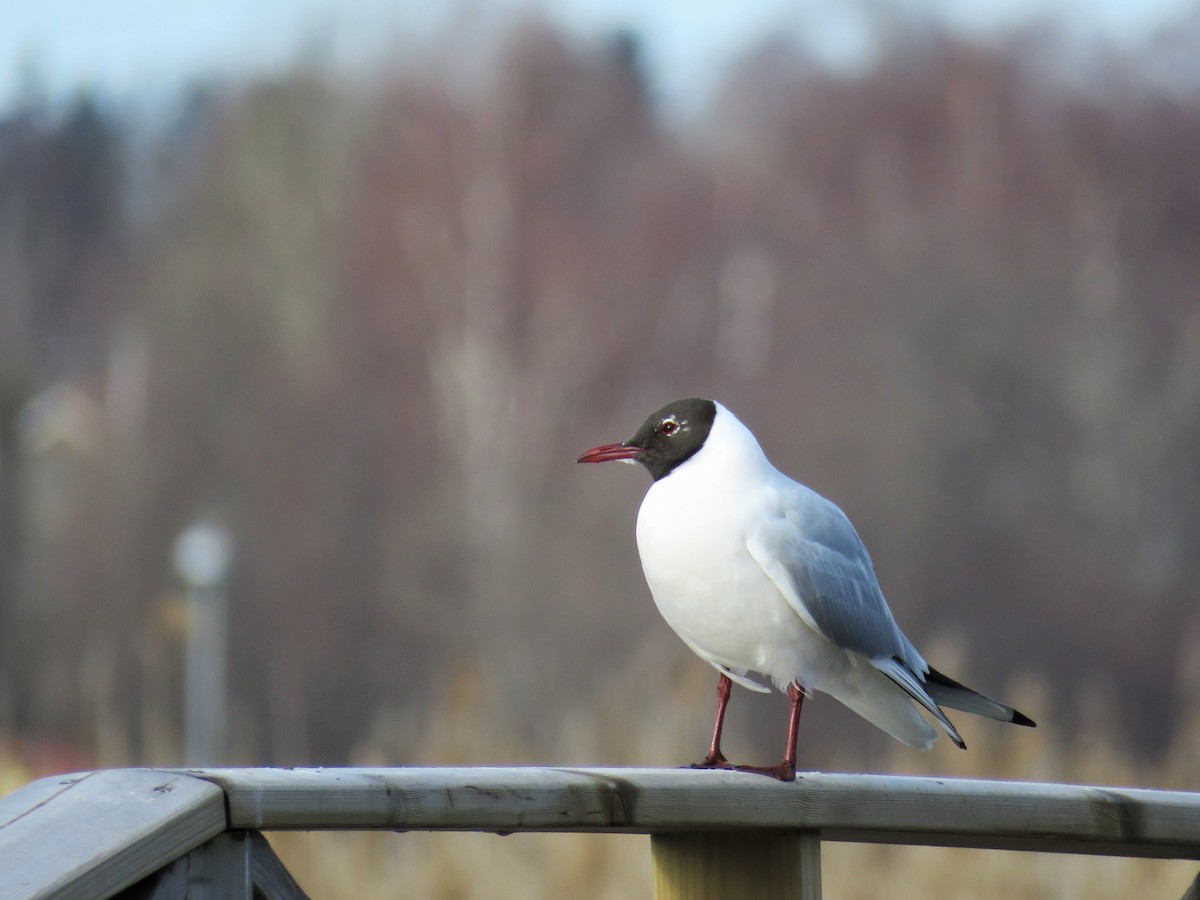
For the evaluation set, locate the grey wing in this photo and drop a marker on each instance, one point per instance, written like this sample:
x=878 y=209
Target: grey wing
x=814 y=556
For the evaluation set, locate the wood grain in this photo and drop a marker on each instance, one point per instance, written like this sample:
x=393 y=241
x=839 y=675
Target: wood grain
x=90 y=835
x=736 y=865
x=876 y=808
x=93 y=834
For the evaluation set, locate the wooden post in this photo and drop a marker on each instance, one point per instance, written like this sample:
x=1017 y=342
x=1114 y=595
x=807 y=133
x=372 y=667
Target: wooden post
x=737 y=865
x=236 y=865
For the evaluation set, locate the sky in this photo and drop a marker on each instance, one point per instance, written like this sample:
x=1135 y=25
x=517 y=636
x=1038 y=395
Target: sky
x=125 y=48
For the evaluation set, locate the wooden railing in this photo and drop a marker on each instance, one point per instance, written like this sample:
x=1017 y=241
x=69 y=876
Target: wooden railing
x=195 y=833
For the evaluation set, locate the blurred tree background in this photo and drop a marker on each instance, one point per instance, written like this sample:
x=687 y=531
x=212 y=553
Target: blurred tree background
x=370 y=323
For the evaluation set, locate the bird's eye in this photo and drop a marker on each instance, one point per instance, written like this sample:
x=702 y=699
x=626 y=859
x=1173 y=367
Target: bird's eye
x=668 y=427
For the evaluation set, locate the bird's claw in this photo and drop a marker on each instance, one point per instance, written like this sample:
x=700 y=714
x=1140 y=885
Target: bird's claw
x=782 y=772
x=712 y=761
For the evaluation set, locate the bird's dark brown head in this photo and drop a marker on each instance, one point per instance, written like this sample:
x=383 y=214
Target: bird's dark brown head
x=669 y=437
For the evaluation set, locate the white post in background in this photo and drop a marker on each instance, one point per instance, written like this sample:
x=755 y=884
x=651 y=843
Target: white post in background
x=203 y=556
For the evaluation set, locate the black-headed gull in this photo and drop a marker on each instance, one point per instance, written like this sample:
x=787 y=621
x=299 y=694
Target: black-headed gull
x=761 y=576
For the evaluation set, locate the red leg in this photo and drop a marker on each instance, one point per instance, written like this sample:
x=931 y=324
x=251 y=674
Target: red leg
x=716 y=759
x=786 y=770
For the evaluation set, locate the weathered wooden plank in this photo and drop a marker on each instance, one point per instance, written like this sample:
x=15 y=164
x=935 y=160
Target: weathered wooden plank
x=90 y=835
x=469 y=799
x=736 y=865
x=878 y=808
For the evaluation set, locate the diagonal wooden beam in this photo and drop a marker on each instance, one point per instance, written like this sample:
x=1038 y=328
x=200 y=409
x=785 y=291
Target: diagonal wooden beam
x=90 y=835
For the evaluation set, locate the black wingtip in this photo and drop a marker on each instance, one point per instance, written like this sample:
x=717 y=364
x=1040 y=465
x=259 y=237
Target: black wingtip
x=939 y=678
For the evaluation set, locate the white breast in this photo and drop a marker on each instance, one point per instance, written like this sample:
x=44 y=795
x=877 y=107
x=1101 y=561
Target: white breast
x=691 y=535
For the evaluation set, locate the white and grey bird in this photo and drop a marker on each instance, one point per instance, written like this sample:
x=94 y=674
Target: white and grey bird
x=765 y=579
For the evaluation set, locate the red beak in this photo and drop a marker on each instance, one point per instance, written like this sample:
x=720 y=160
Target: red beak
x=610 y=452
